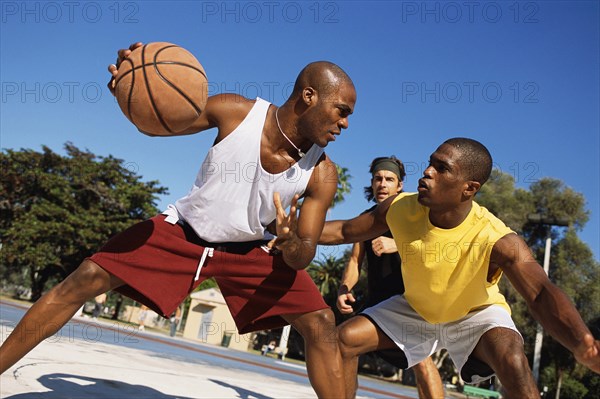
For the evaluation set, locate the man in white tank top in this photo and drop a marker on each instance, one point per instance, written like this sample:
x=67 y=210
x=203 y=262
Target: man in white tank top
x=262 y=154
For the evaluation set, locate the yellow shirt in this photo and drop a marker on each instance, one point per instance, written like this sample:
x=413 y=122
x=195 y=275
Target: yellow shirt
x=445 y=270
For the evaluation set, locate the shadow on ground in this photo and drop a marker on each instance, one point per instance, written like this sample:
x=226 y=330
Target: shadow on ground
x=243 y=393
x=69 y=386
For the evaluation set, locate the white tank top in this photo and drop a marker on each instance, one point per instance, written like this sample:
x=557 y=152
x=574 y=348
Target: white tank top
x=232 y=197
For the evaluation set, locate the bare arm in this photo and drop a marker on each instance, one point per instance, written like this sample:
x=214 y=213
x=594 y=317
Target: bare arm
x=364 y=227
x=350 y=277
x=224 y=111
x=548 y=304
x=297 y=239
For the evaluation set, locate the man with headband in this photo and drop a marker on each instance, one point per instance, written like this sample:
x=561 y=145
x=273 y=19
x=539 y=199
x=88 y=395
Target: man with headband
x=383 y=272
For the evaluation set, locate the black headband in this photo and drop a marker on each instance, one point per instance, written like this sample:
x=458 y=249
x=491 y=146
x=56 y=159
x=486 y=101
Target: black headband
x=387 y=164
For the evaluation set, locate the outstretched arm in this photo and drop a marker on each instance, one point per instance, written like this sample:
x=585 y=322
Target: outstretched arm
x=549 y=305
x=364 y=227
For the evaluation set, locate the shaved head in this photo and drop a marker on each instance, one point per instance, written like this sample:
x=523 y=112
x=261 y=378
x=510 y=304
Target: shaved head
x=323 y=76
x=476 y=160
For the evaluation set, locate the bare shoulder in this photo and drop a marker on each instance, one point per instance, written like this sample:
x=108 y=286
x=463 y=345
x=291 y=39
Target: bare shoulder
x=227 y=111
x=223 y=111
x=324 y=179
x=511 y=249
x=228 y=102
x=512 y=255
x=325 y=172
x=326 y=163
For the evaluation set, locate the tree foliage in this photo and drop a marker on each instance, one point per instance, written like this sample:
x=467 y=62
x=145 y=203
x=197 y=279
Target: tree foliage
x=327 y=274
x=500 y=196
x=56 y=210
x=343 y=187
x=572 y=264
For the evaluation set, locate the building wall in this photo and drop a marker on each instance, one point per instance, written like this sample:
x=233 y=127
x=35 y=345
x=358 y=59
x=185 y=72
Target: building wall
x=132 y=314
x=216 y=323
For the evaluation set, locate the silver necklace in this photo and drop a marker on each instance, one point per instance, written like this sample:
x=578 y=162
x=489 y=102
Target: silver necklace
x=300 y=153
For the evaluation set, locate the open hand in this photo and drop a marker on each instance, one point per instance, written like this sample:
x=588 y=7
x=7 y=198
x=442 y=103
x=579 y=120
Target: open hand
x=286 y=224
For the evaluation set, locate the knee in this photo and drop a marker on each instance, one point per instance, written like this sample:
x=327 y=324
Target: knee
x=426 y=370
x=87 y=281
x=348 y=341
x=420 y=368
x=317 y=327
x=502 y=350
x=516 y=363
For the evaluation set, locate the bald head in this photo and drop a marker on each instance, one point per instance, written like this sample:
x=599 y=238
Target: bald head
x=323 y=76
x=476 y=160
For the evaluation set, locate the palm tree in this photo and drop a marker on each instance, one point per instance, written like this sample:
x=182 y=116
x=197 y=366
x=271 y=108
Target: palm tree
x=344 y=186
x=326 y=274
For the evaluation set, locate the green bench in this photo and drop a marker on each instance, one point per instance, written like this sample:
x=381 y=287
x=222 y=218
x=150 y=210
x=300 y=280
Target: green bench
x=471 y=391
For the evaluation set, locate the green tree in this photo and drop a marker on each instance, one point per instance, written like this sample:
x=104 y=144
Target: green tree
x=327 y=274
x=344 y=187
x=572 y=265
x=500 y=196
x=56 y=210
x=570 y=388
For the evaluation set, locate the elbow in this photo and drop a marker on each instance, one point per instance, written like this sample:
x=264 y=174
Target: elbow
x=535 y=300
x=543 y=302
x=301 y=257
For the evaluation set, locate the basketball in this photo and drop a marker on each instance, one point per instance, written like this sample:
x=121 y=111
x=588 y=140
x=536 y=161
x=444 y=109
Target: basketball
x=161 y=88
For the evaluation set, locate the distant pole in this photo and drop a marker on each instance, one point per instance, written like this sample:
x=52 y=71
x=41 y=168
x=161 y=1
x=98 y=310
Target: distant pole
x=539 y=335
x=283 y=341
x=537 y=218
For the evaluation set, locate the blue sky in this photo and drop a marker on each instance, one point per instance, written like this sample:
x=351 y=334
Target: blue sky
x=522 y=77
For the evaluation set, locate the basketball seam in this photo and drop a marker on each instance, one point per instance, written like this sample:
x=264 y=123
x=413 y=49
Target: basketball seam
x=177 y=89
x=130 y=94
x=160 y=63
x=156 y=111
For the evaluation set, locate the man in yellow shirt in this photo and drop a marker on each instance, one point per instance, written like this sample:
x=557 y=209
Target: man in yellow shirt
x=384 y=275
x=454 y=253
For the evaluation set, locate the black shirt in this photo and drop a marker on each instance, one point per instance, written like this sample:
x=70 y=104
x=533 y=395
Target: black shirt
x=384 y=273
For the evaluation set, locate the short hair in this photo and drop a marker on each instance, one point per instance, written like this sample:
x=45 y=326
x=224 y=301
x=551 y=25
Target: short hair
x=324 y=76
x=369 y=195
x=475 y=160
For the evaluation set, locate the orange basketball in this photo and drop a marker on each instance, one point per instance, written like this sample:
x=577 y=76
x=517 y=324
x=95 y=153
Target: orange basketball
x=161 y=88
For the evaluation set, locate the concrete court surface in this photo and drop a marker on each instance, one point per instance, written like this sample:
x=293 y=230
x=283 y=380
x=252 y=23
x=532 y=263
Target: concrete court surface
x=102 y=359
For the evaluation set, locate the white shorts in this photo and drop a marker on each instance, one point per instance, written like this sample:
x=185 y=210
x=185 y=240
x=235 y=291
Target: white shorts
x=420 y=339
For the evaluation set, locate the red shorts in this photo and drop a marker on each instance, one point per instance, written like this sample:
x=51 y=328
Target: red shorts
x=158 y=262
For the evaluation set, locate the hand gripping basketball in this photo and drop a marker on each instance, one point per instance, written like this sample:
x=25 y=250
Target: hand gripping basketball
x=160 y=87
